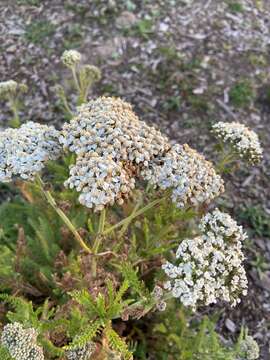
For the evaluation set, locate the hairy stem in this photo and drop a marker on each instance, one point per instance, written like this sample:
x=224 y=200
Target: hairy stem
x=63 y=216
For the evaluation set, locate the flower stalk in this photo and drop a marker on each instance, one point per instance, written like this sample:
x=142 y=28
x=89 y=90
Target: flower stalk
x=51 y=201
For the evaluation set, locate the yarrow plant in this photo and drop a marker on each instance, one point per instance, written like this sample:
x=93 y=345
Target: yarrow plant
x=137 y=207
x=70 y=58
x=84 y=76
x=249 y=349
x=210 y=266
x=21 y=343
x=244 y=141
x=25 y=151
x=192 y=179
x=11 y=90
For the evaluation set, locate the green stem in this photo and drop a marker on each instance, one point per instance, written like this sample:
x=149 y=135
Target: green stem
x=126 y=225
x=85 y=92
x=76 y=81
x=66 y=106
x=63 y=216
x=97 y=241
x=101 y=226
x=226 y=160
x=131 y=217
x=14 y=108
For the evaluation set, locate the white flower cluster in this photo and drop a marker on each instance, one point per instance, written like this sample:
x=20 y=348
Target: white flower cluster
x=108 y=128
x=81 y=353
x=10 y=87
x=100 y=180
x=210 y=266
x=243 y=140
x=193 y=179
x=21 y=343
x=71 y=57
x=249 y=349
x=24 y=151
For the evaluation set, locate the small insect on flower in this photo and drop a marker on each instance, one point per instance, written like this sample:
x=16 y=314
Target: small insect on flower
x=209 y=266
x=25 y=150
x=244 y=141
x=70 y=58
x=21 y=343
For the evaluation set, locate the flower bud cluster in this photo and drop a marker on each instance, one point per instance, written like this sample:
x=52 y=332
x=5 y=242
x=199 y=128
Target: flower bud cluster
x=249 y=349
x=193 y=179
x=70 y=58
x=90 y=74
x=21 y=343
x=108 y=128
x=10 y=88
x=24 y=151
x=209 y=266
x=100 y=180
x=243 y=140
x=81 y=353
x=158 y=296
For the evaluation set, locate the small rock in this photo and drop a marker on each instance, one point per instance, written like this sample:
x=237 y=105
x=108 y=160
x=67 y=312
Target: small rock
x=11 y=49
x=230 y=325
x=198 y=91
x=163 y=27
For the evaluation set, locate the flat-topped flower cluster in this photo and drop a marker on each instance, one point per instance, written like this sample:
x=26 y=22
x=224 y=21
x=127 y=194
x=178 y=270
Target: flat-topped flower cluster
x=107 y=136
x=113 y=149
x=243 y=140
x=24 y=151
x=21 y=343
x=192 y=179
x=108 y=128
x=210 y=266
x=100 y=180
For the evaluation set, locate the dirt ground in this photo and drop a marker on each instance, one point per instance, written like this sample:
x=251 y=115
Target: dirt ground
x=183 y=65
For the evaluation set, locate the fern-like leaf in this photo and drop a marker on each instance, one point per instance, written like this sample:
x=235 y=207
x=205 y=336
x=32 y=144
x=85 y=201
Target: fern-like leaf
x=85 y=299
x=88 y=334
x=117 y=343
x=135 y=283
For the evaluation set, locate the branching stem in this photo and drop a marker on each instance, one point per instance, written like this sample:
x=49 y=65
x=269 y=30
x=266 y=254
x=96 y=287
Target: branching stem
x=63 y=216
x=131 y=217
